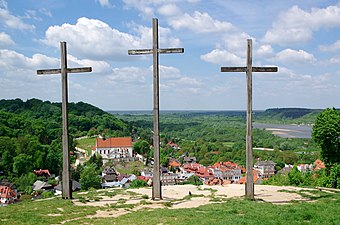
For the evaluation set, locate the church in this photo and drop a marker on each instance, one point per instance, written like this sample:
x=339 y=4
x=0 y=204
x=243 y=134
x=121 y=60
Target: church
x=114 y=148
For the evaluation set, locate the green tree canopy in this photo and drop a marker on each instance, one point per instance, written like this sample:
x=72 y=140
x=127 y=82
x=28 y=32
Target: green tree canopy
x=89 y=177
x=142 y=147
x=326 y=132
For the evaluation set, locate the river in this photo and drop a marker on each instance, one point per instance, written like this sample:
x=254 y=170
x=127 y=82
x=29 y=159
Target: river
x=287 y=131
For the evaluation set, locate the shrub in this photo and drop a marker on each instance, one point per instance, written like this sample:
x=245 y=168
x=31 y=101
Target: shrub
x=138 y=183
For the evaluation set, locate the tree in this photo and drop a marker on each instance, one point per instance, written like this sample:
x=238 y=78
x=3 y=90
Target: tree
x=138 y=183
x=142 y=147
x=22 y=164
x=89 y=177
x=326 y=132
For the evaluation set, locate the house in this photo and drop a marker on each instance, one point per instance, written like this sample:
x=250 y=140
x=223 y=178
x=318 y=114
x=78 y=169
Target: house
x=305 y=167
x=109 y=174
x=169 y=178
x=7 y=195
x=114 y=148
x=265 y=168
x=318 y=165
x=188 y=159
x=256 y=178
x=41 y=185
x=227 y=170
x=75 y=187
x=174 y=163
x=173 y=145
x=45 y=173
x=146 y=174
x=217 y=181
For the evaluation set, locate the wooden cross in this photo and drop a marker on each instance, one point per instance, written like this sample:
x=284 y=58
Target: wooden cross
x=155 y=51
x=66 y=185
x=249 y=190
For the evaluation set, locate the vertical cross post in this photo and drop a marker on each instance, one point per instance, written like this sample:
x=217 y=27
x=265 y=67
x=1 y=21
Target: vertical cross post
x=155 y=51
x=66 y=181
x=249 y=188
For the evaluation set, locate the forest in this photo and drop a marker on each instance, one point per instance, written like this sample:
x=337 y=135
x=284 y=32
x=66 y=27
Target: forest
x=30 y=135
x=220 y=136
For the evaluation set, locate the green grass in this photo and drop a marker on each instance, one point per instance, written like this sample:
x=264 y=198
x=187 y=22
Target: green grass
x=41 y=212
x=87 y=144
x=325 y=209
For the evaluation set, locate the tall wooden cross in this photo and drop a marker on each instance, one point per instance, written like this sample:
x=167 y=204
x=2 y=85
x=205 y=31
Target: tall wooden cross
x=249 y=189
x=66 y=185
x=155 y=51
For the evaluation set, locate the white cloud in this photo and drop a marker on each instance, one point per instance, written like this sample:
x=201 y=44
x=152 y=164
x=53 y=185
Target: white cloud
x=97 y=66
x=264 y=51
x=168 y=72
x=223 y=57
x=11 y=21
x=297 y=25
x=168 y=10
x=200 y=23
x=145 y=36
x=333 y=47
x=148 y=8
x=235 y=43
x=128 y=75
x=5 y=40
x=335 y=60
x=295 y=57
x=94 y=39
x=12 y=60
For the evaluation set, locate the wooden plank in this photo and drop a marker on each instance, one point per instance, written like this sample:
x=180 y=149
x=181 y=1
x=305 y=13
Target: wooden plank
x=156 y=180
x=249 y=135
x=233 y=69
x=67 y=190
x=170 y=50
x=264 y=69
x=48 y=71
x=140 y=51
x=69 y=70
x=79 y=70
x=244 y=69
x=150 y=51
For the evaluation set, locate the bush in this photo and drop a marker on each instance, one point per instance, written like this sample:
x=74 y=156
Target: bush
x=47 y=194
x=138 y=183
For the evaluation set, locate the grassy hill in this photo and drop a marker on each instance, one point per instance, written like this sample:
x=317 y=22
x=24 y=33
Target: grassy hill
x=322 y=208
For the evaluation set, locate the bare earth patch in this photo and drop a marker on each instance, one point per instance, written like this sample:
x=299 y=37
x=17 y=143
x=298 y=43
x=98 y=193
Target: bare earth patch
x=178 y=196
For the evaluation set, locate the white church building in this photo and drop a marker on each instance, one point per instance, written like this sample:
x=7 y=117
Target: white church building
x=114 y=148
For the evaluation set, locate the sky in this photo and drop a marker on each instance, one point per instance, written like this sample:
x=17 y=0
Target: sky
x=301 y=38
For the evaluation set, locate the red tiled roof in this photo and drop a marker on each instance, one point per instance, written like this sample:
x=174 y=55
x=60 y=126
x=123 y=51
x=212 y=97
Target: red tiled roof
x=173 y=163
x=143 y=178
x=244 y=179
x=319 y=164
x=7 y=192
x=42 y=173
x=114 y=142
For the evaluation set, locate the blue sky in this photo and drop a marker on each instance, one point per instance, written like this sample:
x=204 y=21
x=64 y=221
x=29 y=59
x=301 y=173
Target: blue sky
x=301 y=37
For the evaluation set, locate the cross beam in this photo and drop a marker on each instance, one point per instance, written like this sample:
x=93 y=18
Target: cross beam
x=249 y=189
x=155 y=51
x=66 y=185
